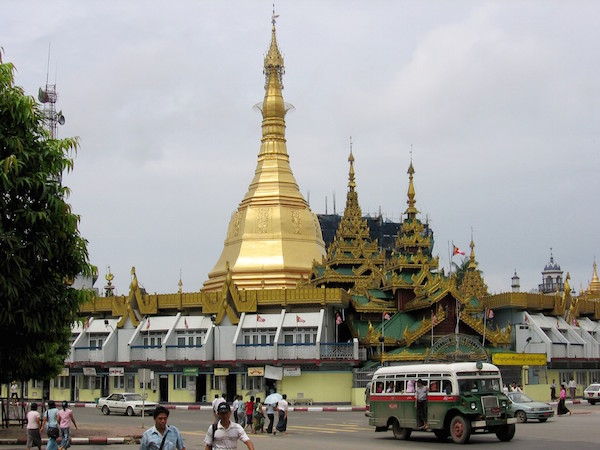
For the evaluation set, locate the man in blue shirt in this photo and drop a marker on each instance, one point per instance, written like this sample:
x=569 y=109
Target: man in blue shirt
x=162 y=436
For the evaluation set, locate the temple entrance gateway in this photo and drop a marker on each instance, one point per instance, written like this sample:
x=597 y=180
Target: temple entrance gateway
x=457 y=347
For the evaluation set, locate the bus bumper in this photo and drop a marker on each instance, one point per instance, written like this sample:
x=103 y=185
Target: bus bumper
x=484 y=424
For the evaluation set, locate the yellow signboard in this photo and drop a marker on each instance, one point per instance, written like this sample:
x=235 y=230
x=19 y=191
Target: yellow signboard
x=519 y=359
x=221 y=371
x=256 y=371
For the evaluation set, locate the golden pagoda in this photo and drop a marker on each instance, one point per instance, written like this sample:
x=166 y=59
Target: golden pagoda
x=594 y=286
x=273 y=237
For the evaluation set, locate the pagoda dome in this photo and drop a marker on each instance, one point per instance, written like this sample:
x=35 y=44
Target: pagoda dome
x=551 y=266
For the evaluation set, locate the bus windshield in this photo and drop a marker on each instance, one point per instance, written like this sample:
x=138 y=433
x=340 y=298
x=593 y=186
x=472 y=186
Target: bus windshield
x=479 y=385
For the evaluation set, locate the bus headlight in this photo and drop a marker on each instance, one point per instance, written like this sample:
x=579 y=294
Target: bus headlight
x=473 y=406
x=504 y=404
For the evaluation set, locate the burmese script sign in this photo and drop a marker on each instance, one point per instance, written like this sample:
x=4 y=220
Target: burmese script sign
x=519 y=359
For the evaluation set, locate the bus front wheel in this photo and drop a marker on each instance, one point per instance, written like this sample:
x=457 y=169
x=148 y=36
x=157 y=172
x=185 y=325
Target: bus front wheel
x=399 y=432
x=460 y=430
x=506 y=433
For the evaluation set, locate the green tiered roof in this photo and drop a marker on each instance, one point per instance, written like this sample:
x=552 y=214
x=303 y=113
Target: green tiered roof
x=352 y=259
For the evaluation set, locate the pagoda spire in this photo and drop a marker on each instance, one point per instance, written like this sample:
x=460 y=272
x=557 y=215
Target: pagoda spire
x=273 y=237
x=472 y=262
x=352 y=206
x=411 y=211
x=273 y=107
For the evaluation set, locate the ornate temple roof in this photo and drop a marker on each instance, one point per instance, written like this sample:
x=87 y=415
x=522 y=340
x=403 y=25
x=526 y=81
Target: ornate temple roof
x=551 y=266
x=273 y=237
x=353 y=259
x=472 y=285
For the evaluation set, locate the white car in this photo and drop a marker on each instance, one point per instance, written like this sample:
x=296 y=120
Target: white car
x=592 y=393
x=125 y=403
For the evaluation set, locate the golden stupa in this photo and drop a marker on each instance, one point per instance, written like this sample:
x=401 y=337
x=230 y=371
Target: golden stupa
x=273 y=237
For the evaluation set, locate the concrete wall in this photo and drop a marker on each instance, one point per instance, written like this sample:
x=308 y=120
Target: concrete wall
x=322 y=387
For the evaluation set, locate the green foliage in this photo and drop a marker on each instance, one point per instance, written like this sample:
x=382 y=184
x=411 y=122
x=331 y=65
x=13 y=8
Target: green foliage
x=40 y=245
x=460 y=270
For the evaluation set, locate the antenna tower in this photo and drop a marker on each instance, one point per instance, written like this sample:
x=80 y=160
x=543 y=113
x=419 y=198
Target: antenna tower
x=48 y=97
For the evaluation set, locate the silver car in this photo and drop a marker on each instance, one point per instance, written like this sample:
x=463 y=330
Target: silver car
x=125 y=403
x=525 y=408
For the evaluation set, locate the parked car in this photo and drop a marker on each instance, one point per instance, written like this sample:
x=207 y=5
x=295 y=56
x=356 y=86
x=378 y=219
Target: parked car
x=592 y=393
x=525 y=408
x=125 y=403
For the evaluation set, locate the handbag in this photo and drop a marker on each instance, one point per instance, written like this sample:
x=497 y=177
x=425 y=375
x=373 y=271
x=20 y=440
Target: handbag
x=51 y=431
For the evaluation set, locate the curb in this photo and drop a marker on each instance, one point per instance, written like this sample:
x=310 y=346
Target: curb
x=347 y=408
x=78 y=441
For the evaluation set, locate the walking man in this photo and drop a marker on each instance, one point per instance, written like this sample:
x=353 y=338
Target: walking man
x=572 y=388
x=421 y=404
x=234 y=407
x=271 y=416
x=282 y=409
x=162 y=436
x=14 y=390
x=215 y=404
x=225 y=434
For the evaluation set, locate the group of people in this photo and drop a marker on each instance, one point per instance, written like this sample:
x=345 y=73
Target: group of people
x=57 y=423
x=224 y=433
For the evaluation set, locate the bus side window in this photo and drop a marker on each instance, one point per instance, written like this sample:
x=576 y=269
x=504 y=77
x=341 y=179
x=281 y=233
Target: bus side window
x=447 y=387
x=379 y=387
x=390 y=387
x=400 y=386
x=410 y=386
x=434 y=386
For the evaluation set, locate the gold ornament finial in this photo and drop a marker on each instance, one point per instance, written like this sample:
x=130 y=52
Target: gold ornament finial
x=411 y=211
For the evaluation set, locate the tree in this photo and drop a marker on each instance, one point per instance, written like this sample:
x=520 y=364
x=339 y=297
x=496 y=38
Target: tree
x=41 y=250
x=460 y=270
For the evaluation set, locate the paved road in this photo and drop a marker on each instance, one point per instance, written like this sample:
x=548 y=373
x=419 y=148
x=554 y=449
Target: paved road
x=349 y=430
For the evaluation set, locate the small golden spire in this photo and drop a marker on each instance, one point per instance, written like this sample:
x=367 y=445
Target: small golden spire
x=411 y=211
x=472 y=262
x=180 y=284
x=351 y=182
x=352 y=206
x=594 y=286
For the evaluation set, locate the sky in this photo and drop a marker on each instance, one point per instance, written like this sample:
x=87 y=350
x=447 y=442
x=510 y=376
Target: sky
x=499 y=102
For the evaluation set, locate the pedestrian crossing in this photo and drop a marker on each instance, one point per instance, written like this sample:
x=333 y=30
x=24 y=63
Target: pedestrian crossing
x=326 y=428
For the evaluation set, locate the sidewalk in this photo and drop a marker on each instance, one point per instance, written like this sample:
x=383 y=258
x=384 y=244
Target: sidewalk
x=96 y=435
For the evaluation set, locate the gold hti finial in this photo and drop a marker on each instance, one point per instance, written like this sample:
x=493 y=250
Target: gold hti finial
x=273 y=59
x=472 y=262
x=351 y=182
x=274 y=16
x=411 y=211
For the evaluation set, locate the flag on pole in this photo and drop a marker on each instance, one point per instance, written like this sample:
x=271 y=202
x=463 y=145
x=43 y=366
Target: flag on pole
x=148 y=324
x=300 y=319
x=259 y=319
x=87 y=324
x=456 y=250
x=490 y=314
x=386 y=316
x=433 y=318
x=338 y=318
x=185 y=323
